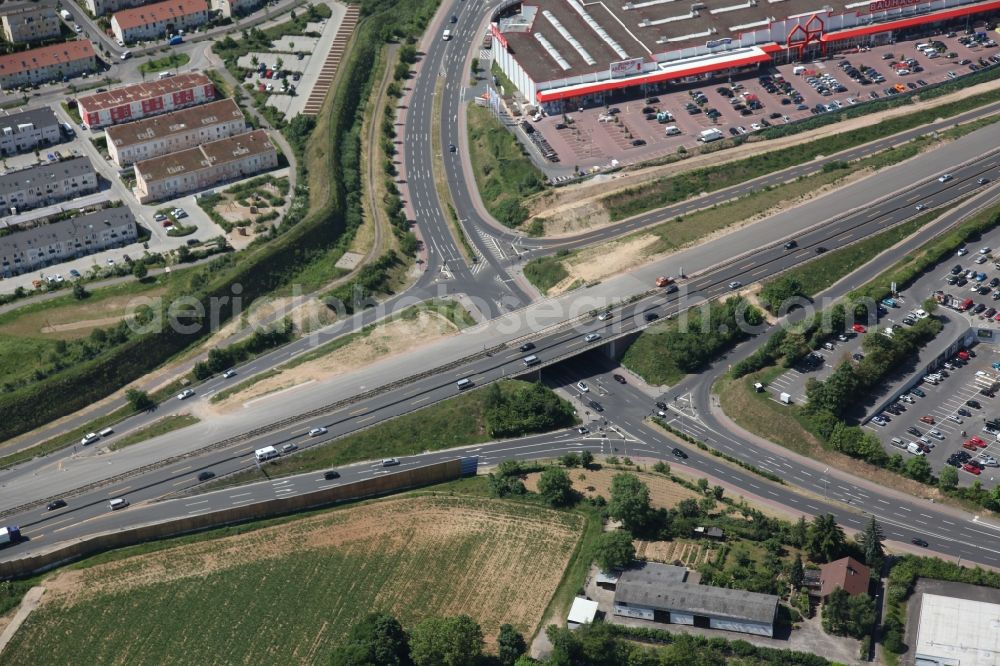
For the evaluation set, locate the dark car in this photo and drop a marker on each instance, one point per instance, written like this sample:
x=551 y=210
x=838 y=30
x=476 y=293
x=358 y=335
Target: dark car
x=596 y=406
x=620 y=379
x=452 y=148
x=791 y=244
x=679 y=454
x=820 y=250
x=979 y=308
x=956 y=269
x=858 y=356
x=56 y=504
x=454 y=19
x=331 y=474
x=651 y=316
x=919 y=542
x=661 y=405
x=206 y=475
x=974 y=404
x=527 y=346
x=638 y=142
x=962 y=411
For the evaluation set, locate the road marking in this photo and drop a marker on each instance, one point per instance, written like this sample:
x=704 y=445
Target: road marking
x=240 y=495
x=419 y=400
x=177 y=483
x=119 y=491
x=367 y=418
x=198 y=502
x=182 y=469
x=903 y=508
x=358 y=411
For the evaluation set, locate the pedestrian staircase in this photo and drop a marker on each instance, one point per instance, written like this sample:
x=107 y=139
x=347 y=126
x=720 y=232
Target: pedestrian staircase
x=332 y=62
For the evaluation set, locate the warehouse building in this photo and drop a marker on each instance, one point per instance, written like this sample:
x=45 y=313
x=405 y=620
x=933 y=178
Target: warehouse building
x=47 y=63
x=659 y=592
x=27 y=130
x=45 y=184
x=122 y=105
x=957 y=631
x=27 y=22
x=566 y=54
x=171 y=132
x=23 y=251
x=158 y=20
x=207 y=165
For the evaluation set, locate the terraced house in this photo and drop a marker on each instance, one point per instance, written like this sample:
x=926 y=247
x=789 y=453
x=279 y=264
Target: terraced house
x=205 y=166
x=47 y=63
x=102 y=7
x=49 y=243
x=28 y=22
x=158 y=20
x=128 y=103
x=169 y=133
x=46 y=184
x=27 y=130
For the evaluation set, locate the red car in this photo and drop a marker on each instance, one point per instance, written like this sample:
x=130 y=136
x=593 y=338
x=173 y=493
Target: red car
x=969 y=444
x=927 y=418
x=964 y=355
x=972 y=469
x=858 y=328
x=977 y=441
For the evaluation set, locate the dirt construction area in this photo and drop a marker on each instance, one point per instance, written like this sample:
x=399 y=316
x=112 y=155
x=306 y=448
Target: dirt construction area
x=290 y=592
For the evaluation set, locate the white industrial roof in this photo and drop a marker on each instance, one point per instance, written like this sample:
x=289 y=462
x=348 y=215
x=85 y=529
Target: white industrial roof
x=583 y=611
x=956 y=630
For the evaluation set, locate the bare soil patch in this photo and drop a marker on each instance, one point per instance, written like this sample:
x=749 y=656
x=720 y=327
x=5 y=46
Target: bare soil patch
x=662 y=491
x=601 y=261
x=78 y=319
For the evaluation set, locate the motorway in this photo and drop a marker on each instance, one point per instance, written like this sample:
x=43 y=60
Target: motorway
x=624 y=406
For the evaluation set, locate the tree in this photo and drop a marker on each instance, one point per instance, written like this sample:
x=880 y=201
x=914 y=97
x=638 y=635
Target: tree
x=847 y=615
x=586 y=459
x=79 y=292
x=871 y=543
x=799 y=531
x=446 y=641
x=614 y=550
x=510 y=645
x=139 y=270
x=554 y=485
x=825 y=539
x=139 y=400
x=948 y=478
x=796 y=574
x=378 y=640
x=918 y=468
x=629 y=501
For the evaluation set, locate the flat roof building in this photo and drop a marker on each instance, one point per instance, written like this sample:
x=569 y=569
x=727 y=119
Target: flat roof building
x=955 y=631
x=204 y=166
x=27 y=130
x=48 y=243
x=47 y=63
x=28 y=22
x=159 y=19
x=659 y=592
x=45 y=184
x=583 y=611
x=567 y=53
x=160 y=135
x=140 y=100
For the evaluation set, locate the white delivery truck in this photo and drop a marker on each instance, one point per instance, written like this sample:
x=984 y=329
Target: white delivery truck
x=708 y=135
x=446 y=36
x=65 y=14
x=266 y=453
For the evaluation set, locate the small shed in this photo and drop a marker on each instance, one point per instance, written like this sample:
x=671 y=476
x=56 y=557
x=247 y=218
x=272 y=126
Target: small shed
x=710 y=532
x=582 y=612
x=607 y=579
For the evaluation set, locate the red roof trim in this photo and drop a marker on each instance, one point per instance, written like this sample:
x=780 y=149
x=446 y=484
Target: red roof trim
x=564 y=93
x=906 y=23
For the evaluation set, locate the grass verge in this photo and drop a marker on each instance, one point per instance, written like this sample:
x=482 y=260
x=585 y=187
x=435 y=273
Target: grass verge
x=504 y=173
x=547 y=272
x=165 y=63
x=161 y=427
x=458 y=421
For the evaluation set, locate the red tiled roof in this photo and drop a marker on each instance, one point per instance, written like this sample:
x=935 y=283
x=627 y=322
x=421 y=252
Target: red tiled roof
x=847 y=573
x=141 y=91
x=160 y=11
x=46 y=56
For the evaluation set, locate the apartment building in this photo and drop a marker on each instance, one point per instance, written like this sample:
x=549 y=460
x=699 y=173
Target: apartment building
x=28 y=22
x=27 y=130
x=48 y=243
x=102 y=7
x=46 y=184
x=159 y=19
x=122 y=105
x=161 y=135
x=47 y=63
x=207 y=165
x=230 y=8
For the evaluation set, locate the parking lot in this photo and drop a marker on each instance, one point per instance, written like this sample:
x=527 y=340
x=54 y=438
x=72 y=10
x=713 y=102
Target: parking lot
x=634 y=129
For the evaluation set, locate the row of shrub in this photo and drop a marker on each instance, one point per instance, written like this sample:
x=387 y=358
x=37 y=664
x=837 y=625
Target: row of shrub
x=223 y=358
x=393 y=202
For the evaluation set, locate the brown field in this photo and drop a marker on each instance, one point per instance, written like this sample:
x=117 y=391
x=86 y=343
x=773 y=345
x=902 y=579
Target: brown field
x=662 y=491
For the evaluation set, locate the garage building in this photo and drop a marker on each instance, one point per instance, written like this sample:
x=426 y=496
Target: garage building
x=659 y=592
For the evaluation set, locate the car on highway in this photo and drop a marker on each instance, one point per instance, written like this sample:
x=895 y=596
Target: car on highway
x=651 y=316
x=661 y=405
x=604 y=316
x=735 y=284
x=185 y=394
x=454 y=19
x=944 y=178
x=596 y=406
x=331 y=474
x=316 y=432
x=921 y=206
x=452 y=148
x=619 y=378
x=288 y=448
x=583 y=430
x=679 y=454
x=206 y=475
x=229 y=373
x=117 y=503
x=590 y=337
x=919 y=542
x=89 y=438
x=820 y=250
x=55 y=504
x=791 y=245
x=527 y=346
x=389 y=462
x=983 y=181
x=77 y=29
x=582 y=386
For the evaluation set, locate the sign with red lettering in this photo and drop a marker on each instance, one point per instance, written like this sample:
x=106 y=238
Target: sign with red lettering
x=497 y=35
x=882 y=5
x=626 y=68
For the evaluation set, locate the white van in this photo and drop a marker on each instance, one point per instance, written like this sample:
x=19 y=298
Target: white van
x=671 y=130
x=923 y=45
x=165 y=75
x=798 y=69
x=266 y=453
x=106 y=432
x=531 y=360
x=117 y=503
x=446 y=36
x=914 y=449
x=463 y=384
